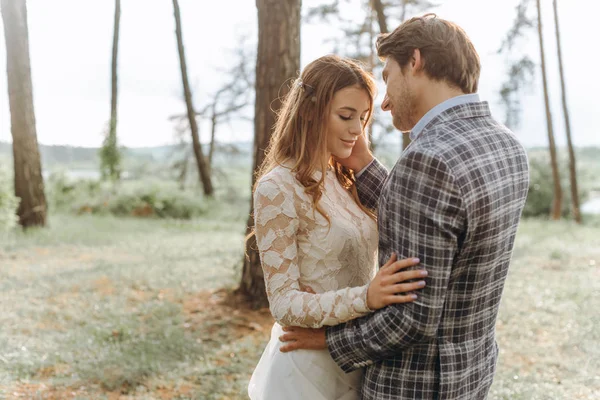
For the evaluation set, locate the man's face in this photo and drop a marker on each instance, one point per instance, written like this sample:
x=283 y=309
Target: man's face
x=400 y=97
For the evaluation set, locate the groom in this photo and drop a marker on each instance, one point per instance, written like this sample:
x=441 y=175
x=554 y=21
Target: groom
x=453 y=199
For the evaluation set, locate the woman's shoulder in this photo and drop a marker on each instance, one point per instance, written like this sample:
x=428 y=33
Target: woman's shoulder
x=280 y=179
x=281 y=175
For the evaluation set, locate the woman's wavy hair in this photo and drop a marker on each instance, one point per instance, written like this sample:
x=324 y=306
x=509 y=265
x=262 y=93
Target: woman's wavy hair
x=300 y=133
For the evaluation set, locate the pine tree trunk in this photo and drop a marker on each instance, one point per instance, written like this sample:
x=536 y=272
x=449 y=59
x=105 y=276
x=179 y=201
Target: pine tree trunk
x=278 y=59
x=203 y=168
x=572 y=162
x=112 y=138
x=29 y=182
x=555 y=212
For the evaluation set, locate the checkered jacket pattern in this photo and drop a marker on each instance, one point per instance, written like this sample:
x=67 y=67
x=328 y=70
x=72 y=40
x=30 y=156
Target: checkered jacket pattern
x=453 y=199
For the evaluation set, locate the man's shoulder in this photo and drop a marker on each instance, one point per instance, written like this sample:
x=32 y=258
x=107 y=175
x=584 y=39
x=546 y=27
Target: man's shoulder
x=479 y=132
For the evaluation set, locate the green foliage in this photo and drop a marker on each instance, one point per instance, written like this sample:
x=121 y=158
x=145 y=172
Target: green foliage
x=8 y=202
x=541 y=186
x=110 y=155
x=148 y=198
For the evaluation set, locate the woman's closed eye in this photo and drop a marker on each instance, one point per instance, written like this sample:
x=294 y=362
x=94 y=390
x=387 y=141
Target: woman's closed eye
x=351 y=117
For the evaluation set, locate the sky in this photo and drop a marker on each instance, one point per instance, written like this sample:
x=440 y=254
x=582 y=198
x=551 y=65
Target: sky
x=71 y=44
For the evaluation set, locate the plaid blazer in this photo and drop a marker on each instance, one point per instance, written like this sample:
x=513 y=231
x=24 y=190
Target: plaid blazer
x=453 y=199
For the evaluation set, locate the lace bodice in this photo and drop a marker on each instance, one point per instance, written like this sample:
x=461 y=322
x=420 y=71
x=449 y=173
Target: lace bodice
x=299 y=248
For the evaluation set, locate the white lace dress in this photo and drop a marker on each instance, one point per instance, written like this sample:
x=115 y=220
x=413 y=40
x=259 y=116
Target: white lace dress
x=299 y=248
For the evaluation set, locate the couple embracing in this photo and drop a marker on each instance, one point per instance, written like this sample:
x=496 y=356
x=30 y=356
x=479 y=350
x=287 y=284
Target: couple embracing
x=386 y=284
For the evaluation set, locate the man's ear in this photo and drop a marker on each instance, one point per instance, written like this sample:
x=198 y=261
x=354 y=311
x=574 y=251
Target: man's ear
x=417 y=61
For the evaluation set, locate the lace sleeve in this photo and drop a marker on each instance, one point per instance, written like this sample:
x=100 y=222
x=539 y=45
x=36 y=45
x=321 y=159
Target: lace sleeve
x=277 y=226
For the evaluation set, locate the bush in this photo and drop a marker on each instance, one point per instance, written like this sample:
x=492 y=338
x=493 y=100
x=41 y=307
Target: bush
x=63 y=192
x=8 y=202
x=128 y=198
x=541 y=186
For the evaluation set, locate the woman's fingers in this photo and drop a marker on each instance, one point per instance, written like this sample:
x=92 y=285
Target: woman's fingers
x=403 y=276
x=398 y=299
x=405 y=263
x=391 y=260
x=405 y=287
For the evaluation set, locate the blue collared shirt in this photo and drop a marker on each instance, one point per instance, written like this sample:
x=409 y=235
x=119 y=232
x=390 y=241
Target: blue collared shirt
x=431 y=114
x=440 y=108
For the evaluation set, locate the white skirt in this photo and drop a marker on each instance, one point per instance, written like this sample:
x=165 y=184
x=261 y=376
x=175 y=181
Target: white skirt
x=300 y=375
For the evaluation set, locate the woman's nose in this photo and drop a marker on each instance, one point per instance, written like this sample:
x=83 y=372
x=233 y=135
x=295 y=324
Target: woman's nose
x=357 y=127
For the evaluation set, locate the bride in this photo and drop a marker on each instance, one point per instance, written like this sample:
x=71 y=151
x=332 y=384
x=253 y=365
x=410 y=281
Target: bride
x=317 y=242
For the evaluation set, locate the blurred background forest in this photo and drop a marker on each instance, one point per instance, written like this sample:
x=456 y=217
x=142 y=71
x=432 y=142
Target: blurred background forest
x=129 y=132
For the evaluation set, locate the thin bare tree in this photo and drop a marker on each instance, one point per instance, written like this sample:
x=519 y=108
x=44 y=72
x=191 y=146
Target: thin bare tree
x=278 y=60
x=29 y=182
x=572 y=162
x=110 y=157
x=203 y=168
x=228 y=103
x=556 y=210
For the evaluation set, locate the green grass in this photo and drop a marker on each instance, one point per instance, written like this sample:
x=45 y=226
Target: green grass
x=110 y=305
x=101 y=297
x=549 y=322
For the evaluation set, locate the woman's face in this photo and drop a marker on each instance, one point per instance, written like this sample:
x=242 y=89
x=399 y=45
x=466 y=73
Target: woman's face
x=349 y=109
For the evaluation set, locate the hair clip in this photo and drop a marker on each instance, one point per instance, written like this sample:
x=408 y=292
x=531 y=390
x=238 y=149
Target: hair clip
x=308 y=89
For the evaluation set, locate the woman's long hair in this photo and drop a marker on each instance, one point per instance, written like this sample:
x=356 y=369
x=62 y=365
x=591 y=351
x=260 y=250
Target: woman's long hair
x=300 y=133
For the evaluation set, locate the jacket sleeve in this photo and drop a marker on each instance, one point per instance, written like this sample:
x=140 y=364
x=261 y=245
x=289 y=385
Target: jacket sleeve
x=424 y=211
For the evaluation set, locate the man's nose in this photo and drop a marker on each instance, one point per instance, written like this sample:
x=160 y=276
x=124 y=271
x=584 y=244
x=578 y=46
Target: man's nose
x=386 y=105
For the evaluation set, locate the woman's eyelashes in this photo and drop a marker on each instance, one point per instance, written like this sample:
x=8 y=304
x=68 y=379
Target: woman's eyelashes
x=363 y=119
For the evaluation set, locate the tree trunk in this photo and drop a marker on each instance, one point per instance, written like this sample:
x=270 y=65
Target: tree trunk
x=572 y=162
x=213 y=134
x=379 y=8
x=555 y=212
x=373 y=57
x=114 y=171
x=110 y=158
x=381 y=20
x=203 y=168
x=278 y=59
x=29 y=182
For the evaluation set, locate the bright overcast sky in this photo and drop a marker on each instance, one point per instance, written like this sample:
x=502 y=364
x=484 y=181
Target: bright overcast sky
x=70 y=47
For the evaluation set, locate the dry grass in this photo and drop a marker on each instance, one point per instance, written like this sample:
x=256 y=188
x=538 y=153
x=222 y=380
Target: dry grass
x=100 y=308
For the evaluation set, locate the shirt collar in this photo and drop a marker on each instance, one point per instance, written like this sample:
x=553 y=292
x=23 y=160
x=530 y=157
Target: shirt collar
x=440 y=108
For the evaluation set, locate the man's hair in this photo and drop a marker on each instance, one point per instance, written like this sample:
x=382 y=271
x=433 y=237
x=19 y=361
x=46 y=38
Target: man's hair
x=446 y=50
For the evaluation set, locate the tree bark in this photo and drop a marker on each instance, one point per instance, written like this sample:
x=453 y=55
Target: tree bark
x=379 y=8
x=114 y=171
x=203 y=168
x=556 y=210
x=213 y=134
x=381 y=19
x=572 y=162
x=278 y=59
x=29 y=182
